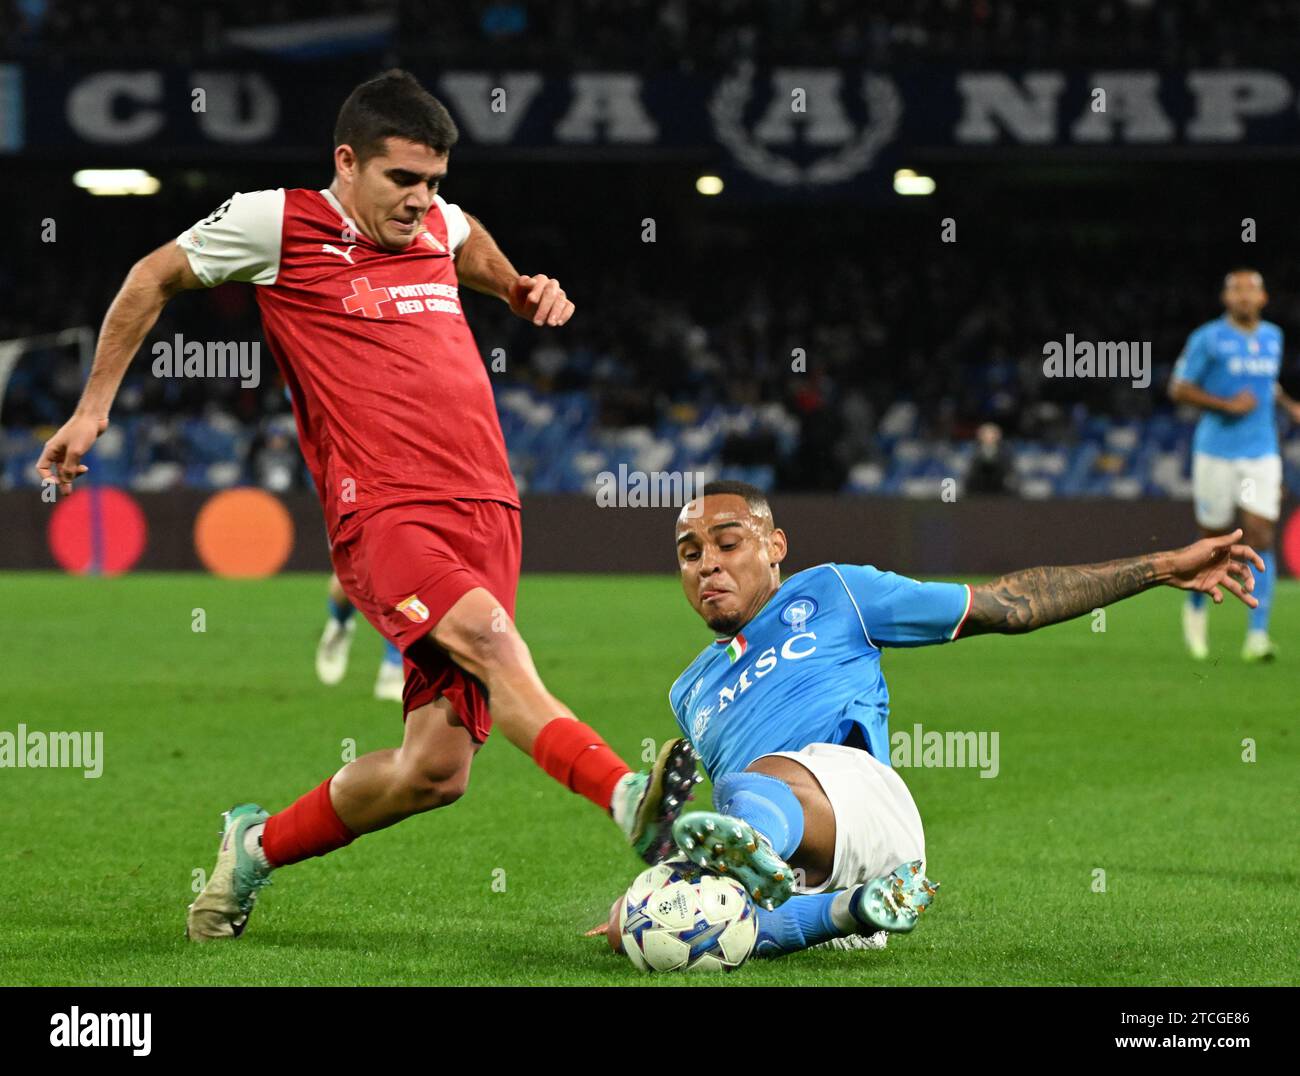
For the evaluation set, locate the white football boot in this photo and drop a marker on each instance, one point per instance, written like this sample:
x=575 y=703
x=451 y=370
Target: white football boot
x=1258 y=647
x=874 y=942
x=390 y=682
x=1196 y=630
x=333 y=649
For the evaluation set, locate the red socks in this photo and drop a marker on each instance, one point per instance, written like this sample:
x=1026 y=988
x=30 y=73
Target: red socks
x=571 y=752
x=576 y=756
x=310 y=827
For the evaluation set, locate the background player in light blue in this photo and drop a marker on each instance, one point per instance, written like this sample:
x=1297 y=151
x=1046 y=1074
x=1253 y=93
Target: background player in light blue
x=788 y=709
x=1229 y=369
x=336 y=644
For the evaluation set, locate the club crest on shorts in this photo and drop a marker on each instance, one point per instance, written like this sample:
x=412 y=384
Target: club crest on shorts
x=414 y=609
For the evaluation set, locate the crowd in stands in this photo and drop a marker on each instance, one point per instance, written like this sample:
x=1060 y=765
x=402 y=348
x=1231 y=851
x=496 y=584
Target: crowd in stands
x=869 y=371
x=686 y=34
x=820 y=347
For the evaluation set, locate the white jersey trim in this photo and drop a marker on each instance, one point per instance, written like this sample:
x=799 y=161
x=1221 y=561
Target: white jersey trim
x=457 y=224
x=970 y=597
x=349 y=225
x=854 y=602
x=240 y=240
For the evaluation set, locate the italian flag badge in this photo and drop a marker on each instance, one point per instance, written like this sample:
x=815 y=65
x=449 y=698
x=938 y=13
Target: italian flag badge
x=736 y=648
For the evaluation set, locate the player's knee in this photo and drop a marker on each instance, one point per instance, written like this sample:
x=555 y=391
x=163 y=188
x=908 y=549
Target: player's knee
x=429 y=791
x=487 y=646
x=1258 y=535
x=430 y=784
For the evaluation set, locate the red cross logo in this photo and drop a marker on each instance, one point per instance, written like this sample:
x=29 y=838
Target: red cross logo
x=365 y=299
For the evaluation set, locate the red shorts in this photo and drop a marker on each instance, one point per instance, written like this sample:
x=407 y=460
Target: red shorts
x=405 y=565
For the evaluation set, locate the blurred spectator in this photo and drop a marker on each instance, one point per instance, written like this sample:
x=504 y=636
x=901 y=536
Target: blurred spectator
x=992 y=470
x=675 y=34
x=276 y=462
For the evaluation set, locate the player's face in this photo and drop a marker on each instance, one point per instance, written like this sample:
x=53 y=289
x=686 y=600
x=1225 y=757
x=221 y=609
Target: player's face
x=1244 y=296
x=728 y=560
x=392 y=191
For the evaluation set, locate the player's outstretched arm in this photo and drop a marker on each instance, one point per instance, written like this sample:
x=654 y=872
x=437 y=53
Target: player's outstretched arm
x=1185 y=392
x=1036 y=597
x=153 y=280
x=481 y=265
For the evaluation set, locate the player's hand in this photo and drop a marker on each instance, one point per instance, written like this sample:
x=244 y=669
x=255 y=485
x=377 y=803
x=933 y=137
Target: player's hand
x=609 y=929
x=541 y=300
x=61 y=457
x=1243 y=403
x=1218 y=562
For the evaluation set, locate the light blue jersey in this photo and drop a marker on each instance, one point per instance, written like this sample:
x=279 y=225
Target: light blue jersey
x=1223 y=360
x=806 y=669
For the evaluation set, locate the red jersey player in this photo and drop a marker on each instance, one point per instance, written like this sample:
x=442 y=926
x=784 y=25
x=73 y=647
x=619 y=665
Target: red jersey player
x=358 y=291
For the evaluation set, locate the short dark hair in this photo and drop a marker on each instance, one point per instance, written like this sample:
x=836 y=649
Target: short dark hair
x=1242 y=269
x=755 y=498
x=393 y=105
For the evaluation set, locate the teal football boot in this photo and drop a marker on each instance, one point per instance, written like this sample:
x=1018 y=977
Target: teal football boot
x=894 y=902
x=732 y=847
x=223 y=907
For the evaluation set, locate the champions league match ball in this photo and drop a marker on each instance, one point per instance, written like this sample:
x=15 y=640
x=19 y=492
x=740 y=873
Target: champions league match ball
x=675 y=917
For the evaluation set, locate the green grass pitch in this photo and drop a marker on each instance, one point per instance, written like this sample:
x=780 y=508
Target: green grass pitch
x=1118 y=754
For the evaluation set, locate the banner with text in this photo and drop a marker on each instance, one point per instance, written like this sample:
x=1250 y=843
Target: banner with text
x=800 y=129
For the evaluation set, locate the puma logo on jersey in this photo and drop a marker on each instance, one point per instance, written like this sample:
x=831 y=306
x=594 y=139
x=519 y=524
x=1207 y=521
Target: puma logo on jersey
x=346 y=255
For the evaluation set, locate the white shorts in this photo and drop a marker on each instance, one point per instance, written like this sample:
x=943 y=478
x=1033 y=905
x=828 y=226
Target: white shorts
x=877 y=825
x=1223 y=485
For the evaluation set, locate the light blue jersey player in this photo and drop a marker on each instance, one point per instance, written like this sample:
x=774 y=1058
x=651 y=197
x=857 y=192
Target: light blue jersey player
x=335 y=646
x=1229 y=369
x=819 y=635
x=788 y=708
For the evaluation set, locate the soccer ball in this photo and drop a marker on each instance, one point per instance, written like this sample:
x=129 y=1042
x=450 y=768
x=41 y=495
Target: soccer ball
x=676 y=917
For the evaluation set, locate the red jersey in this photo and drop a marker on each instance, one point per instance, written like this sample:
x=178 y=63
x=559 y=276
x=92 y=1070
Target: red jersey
x=389 y=391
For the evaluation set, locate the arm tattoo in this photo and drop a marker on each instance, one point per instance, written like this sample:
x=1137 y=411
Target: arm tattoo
x=1036 y=597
